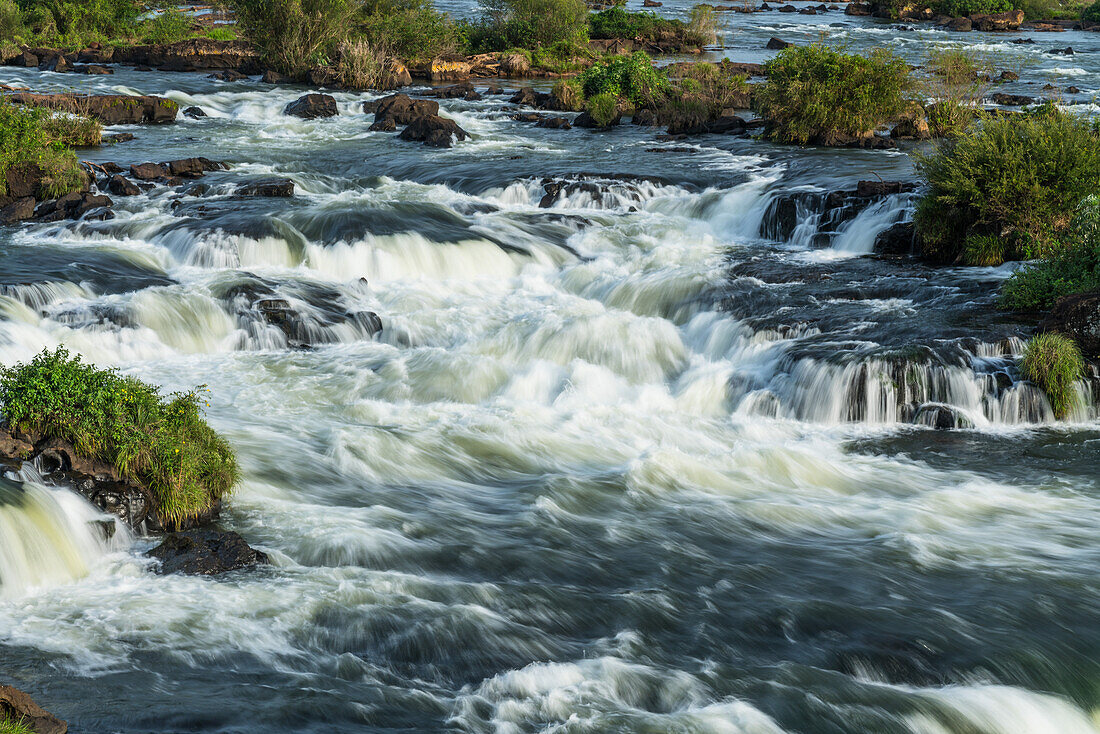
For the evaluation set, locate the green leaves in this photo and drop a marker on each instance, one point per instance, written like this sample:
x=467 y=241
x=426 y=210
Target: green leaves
x=631 y=77
x=1054 y=363
x=163 y=442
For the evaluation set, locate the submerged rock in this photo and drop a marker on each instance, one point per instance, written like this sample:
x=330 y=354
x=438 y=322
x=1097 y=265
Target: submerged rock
x=205 y=553
x=18 y=706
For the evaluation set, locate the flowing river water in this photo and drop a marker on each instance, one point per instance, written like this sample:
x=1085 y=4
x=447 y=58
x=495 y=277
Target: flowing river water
x=623 y=464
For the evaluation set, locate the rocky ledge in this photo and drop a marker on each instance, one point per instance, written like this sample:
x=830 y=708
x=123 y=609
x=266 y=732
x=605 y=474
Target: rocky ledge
x=109 y=109
x=205 y=553
x=18 y=706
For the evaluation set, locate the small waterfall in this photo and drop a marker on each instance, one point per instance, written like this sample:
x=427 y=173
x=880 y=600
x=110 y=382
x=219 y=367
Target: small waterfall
x=48 y=535
x=846 y=221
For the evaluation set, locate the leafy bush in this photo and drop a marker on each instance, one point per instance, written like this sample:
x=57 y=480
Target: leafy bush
x=161 y=441
x=76 y=22
x=957 y=79
x=293 y=36
x=167 y=27
x=11 y=20
x=603 y=108
x=531 y=24
x=617 y=22
x=1091 y=13
x=815 y=94
x=958 y=8
x=1054 y=363
x=631 y=77
x=1072 y=267
x=25 y=138
x=1019 y=178
x=702 y=27
x=412 y=30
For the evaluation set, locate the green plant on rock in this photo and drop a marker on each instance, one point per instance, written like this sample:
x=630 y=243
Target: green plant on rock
x=293 y=36
x=1019 y=178
x=11 y=726
x=530 y=24
x=168 y=26
x=160 y=441
x=568 y=95
x=816 y=94
x=411 y=30
x=1071 y=267
x=631 y=77
x=30 y=137
x=603 y=108
x=1054 y=363
x=959 y=8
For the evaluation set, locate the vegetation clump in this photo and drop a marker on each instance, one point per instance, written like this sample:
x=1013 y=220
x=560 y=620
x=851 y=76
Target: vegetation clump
x=816 y=94
x=1071 y=267
x=1018 y=178
x=32 y=138
x=162 y=442
x=960 y=8
x=1091 y=14
x=11 y=726
x=529 y=24
x=632 y=78
x=603 y=109
x=1054 y=363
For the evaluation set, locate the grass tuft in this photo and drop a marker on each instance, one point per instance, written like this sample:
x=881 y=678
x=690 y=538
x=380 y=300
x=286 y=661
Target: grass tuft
x=160 y=441
x=11 y=726
x=1054 y=363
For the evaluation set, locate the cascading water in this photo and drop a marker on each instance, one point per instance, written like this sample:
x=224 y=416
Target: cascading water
x=557 y=431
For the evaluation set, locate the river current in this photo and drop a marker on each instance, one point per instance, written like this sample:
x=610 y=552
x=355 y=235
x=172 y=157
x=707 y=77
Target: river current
x=623 y=464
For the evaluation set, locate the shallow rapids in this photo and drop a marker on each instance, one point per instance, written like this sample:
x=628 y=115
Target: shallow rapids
x=616 y=460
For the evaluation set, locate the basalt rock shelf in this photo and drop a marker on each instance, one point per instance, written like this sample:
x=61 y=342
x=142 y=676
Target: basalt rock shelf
x=554 y=429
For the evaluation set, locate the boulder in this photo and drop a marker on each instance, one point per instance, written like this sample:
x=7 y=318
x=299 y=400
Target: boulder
x=395 y=75
x=528 y=97
x=1067 y=51
x=957 y=24
x=228 y=75
x=269 y=187
x=120 y=186
x=56 y=63
x=205 y=553
x=93 y=69
x=195 y=113
x=401 y=109
x=23 y=181
x=147 y=171
x=18 y=706
x=1078 y=317
x=312 y=106
x=26 y=59
x=585 y=120
x=1009 y=20
x=463 y=90
x=899 y=239
x=555 y=123
x=515 y=65
x=857 y=9
x=273 y=77
x=435 y=131
x=193 y=167
x=777 y=44
x=1012 y=100
x=193 y=54
x=1009 y=76
x=913 y=125
x=19 y=210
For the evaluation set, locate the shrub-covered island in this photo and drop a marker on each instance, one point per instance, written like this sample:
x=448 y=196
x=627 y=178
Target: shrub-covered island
x=161 y=443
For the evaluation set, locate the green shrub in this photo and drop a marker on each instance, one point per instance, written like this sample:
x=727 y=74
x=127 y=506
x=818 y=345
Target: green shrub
x=161 y=441
x=1054 y=363
x=1072 y=267
x=168 y=27
x=361 y=65
x=72 y=131
x=293 y=36
x=568 y=95
x=1018 y=177
x=603 y=108
x=11 y=20
x=958 y=8
x=982 y=250
x=25 y=138
x=220 y=33
x=617 y=22
x=815 y=94
x=530 y=24
x=631 y=77
x=73 y=23
x=702 y=27
x=11 y=726
x=561 y=58
x=412 y=30
x=1091 y=13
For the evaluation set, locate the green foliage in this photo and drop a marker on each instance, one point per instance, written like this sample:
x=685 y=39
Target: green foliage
x=161 y=441
x=617 y=22
x=529 y=24
x=982 y=250
x=631 y=77
x=603 y=108
x=412 y=30
x=11 y=20
x=1054 y=363
x=821 y=95
x=11 y=726
x=1072 y=267
x=1018 y=177
x=569 y=95
x=25 y=139
x=1091 y=13
x=293 y=36
x=220 y=33
x=958 y=8
x=72 y=131
x=167 y=27
x=72 y=23
x=702 y=27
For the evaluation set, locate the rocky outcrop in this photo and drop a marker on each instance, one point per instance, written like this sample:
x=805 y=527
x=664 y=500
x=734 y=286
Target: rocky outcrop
x=1009 y=20
x=194 y=54
x=1078 y=317
x=268 y=187
x=312 y=106
x=18 y=706
x=109 y=109
x=400 y=109
x=205 y=553
x=1012 y=100
x=434 y=131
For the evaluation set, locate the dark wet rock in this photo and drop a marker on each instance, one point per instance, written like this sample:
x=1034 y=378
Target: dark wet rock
x=93 y=69
x=1023 y=41
x=74 y=206
x=110 y=109
x=526 y=117
x=1009 y=76
x=120 y=186
x=195 y=113
x=1077 y=316
x=385 y=125
x=19 y=210
x=147 y=171
x=1012 y=100
x=273 y=77
x=1067 y=51
x=957 y=24
x=462 y=90
x=866 y=189
x=118 y=138
x=434 y=131
x=494 y=90
x=205 y=553
x=228 y=75
x=23 y=180
x=726 y=124
x=900 y=239
x=269 y=187
x=787 y=9
x=1072 y=90
x=528 y=97
x=645 y=117
x=18 y=706
x=777 y=44
x=555 y=123
x=585 y=120
x=26 y=59
x=831 y=209
x=56 y=63
x=941 y=417
x=857 y=9
x=312 y=106
x=401 y=109
x=193 y=167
